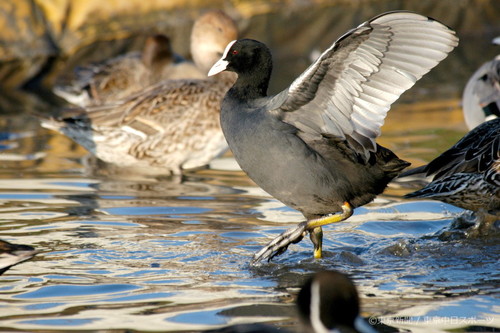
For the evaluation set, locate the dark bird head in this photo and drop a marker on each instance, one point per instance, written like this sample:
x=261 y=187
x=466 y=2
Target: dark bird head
x=328 y=300
x=250 y=59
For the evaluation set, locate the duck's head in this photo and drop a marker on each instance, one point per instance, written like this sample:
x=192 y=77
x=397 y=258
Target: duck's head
x=210 y=35
x=328 y=302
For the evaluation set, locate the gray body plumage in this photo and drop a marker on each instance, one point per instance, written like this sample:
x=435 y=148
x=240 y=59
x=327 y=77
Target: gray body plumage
x=314 y=177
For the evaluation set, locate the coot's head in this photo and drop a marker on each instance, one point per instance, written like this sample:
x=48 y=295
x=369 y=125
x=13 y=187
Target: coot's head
x=245 y=57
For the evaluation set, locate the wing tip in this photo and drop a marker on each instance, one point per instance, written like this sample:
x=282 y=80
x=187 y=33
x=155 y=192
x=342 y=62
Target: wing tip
x=405 y=15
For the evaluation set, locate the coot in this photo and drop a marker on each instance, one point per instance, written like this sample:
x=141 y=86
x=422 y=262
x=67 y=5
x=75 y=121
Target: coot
x=312 y=146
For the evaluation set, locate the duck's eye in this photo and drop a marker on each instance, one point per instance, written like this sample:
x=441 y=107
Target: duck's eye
x=235 y=52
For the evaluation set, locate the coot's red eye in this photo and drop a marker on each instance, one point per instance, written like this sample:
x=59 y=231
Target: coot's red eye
x=235 y=52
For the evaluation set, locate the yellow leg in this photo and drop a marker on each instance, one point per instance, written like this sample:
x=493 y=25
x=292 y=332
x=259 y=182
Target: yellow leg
x=294 y=235
x=316 y=236
x=316 y=232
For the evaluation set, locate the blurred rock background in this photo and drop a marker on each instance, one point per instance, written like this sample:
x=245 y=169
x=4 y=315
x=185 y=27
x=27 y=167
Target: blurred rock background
x=41 y=40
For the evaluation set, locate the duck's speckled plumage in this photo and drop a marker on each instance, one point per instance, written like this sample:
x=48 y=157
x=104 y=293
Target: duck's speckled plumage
x=114 y=80
x=162 y=130
x=165 y=128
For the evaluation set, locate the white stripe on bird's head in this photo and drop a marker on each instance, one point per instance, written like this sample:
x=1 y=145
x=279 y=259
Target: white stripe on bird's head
x=315 y=308
x=228 y=47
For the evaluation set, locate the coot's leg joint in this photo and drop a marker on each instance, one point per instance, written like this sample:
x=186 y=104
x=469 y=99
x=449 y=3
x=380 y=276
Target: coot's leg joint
x=294 y=235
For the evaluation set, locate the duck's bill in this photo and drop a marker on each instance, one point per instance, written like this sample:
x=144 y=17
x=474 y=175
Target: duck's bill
x=218 y=67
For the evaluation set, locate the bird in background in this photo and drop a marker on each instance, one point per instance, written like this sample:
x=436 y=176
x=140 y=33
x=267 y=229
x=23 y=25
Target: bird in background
x=312 y=146
x=115 y=79
x=168 y=127
x=481 y=96
x=327 y=302
x=467 y=175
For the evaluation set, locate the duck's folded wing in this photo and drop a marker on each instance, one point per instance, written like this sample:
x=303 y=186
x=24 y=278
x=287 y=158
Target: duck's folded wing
x=348 y=90
x=476 y=152
x=119 y=113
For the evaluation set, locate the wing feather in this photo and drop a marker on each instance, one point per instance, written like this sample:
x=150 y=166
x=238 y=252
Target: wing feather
x=352 y=85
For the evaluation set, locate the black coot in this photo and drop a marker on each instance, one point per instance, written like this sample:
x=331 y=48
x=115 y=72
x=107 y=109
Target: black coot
x=312 y=146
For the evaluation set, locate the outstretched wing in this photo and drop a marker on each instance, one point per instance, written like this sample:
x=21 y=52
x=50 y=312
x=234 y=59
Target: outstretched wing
x=348 y=90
